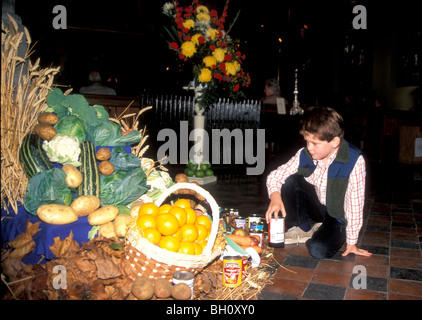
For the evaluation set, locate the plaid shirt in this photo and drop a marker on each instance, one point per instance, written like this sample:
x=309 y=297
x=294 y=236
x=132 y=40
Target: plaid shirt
x=355 y=193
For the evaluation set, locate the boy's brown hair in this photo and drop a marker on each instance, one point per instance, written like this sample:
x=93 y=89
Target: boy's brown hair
x=323 y=122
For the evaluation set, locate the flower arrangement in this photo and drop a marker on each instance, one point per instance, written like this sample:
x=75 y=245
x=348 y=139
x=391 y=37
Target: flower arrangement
x=201 y=41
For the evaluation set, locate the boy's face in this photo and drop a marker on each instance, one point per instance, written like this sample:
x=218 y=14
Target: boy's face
x=320 y=150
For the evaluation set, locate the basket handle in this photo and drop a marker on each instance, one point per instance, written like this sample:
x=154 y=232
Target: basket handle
x=211 y=202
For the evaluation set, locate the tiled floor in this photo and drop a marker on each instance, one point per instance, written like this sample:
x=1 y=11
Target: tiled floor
x=392 y=231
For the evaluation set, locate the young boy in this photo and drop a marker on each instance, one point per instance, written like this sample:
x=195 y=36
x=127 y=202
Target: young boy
x=324 y=182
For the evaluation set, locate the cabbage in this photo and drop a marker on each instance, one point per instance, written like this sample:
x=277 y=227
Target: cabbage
x=72 y=126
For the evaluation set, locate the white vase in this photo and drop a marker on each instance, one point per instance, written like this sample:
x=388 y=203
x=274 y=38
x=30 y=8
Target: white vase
x=199 y=130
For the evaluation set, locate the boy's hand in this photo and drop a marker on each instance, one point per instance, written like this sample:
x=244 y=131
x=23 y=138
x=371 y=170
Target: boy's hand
x=276 y=205
x=353 y=249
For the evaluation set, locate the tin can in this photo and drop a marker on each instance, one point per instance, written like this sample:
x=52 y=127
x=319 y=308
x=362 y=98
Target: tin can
x=253 y=219
x=234 y=211
x=276 y=233
x=232 y=271
x=184 y=277
x=244 y=267
x=240 y=222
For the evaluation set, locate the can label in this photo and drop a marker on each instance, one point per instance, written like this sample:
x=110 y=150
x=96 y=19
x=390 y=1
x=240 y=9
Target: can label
x=184 y=277
x=240 y=222
x=276 y=231
x=244 y=267
x=254 y=219
x=232 y=271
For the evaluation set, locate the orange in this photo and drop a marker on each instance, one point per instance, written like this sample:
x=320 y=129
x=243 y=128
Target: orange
x=198 y=248
x=164 y=208
x=152 y=234
x=146 y=221
x=205 y=221
x=191 y=216
x=189 y=232
x=202 y=232
x=169 y=243
x=186 y=247
x=182 y=203
x=148 y=208
x=167 y=224
x=180 y=214
x=178 y=235
x=203 y=244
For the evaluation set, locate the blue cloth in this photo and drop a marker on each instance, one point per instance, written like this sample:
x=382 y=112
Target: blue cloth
x=13 y=225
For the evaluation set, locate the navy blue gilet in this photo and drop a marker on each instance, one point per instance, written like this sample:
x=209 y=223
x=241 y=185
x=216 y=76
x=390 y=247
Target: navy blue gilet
x=338 y=175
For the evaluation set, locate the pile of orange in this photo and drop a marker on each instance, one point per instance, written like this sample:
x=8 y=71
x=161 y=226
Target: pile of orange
x=174 y=227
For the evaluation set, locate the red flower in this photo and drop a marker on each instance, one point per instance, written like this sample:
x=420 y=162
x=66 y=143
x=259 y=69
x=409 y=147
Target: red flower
x=218 y=76
x=228 y=57
x=236 y=88
x=201 y=39
x=212 y=47
x=222 y=66
x=174 y=45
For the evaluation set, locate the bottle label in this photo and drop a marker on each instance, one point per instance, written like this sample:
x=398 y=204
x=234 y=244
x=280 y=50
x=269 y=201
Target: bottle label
x=276 y=231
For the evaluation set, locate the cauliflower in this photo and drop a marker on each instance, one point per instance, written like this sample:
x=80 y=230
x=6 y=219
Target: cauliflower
x=63 y=149
x=159 y=181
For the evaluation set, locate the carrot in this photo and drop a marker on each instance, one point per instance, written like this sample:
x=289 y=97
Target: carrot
x=126 y=132
x=240 y=240
x=258 y=249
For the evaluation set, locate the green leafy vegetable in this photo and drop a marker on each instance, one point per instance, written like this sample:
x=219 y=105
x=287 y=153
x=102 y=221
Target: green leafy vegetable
x=101 y=131
x=72 y=126
x=123 y=161
x=122 y=188
x=45 y=188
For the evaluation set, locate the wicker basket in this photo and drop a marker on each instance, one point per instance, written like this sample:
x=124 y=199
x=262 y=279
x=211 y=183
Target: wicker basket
x=149 y=260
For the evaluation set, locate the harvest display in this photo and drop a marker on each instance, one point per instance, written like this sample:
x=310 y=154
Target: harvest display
x=81 y=169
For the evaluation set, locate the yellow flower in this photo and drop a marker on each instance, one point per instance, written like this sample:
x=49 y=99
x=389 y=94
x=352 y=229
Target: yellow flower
x=188 y=24
x=210 y=33
x=209 y=61
x=230 y=69
x=195 y=38
x=219 y=54
x=202 y=9
x=205 y=75
x=237 y=66
x=203 y=17
x=188 y=48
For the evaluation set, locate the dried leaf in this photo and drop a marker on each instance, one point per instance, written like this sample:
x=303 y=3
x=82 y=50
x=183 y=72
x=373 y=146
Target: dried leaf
x=107 y=268
x=64 y=248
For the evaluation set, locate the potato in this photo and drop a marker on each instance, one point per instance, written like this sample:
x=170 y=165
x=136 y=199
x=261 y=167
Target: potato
x=143 y=288
x=121 y=224
x=162 y=288
x=181 y=291
x=181 y=177
x=103 y=215
x=45 y=131
x=84 y=205
x=107 y=230
x=134 y=209
x=56 y=214
x=103 y=154
x=106 y=168
x=73 y=175
x=48 y=118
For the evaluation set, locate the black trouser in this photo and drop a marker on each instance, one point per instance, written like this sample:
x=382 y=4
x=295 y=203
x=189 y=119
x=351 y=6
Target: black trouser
x=301 y=204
